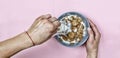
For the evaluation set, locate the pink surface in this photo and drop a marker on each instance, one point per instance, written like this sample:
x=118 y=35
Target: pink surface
x=17 y=16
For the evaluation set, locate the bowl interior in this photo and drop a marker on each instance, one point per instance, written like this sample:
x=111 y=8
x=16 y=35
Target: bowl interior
x=84 y=39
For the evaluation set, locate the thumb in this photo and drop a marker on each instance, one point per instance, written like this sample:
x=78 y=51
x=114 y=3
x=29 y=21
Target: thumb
x=91 y=35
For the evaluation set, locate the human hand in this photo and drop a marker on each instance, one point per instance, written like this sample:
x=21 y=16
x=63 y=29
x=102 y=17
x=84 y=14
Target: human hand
x=93 y=41
x=43 y=28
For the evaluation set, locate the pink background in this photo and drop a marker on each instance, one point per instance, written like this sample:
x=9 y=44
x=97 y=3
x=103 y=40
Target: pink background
x=18 y=15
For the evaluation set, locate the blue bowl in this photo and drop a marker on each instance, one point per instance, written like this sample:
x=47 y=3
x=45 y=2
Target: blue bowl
x=84 y=39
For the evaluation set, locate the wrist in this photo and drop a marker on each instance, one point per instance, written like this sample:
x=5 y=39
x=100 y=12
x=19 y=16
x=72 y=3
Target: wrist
x=92 y=54
x=27 y=41
x=30 y=38
x=35 y=36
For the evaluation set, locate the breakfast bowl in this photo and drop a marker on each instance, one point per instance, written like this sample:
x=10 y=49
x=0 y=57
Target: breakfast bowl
x=73 y=29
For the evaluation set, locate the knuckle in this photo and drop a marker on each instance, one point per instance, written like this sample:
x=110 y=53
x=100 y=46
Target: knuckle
x=57 y=23
x=40 y=17
x=45 y=20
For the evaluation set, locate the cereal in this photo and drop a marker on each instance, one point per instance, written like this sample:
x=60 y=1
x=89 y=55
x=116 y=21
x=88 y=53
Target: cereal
x=71 y=35
x=75 y=28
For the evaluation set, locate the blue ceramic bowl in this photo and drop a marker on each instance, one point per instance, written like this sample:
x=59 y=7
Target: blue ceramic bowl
x=84 y=39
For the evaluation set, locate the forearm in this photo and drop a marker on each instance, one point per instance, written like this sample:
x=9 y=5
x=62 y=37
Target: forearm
x=13 y=45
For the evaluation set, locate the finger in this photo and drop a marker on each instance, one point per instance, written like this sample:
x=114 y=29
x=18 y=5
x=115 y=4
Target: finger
x=95 y=29
x=52 y=19
x=56 y=23
x=55 y=31
x=44 y=17
x=91 y=35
